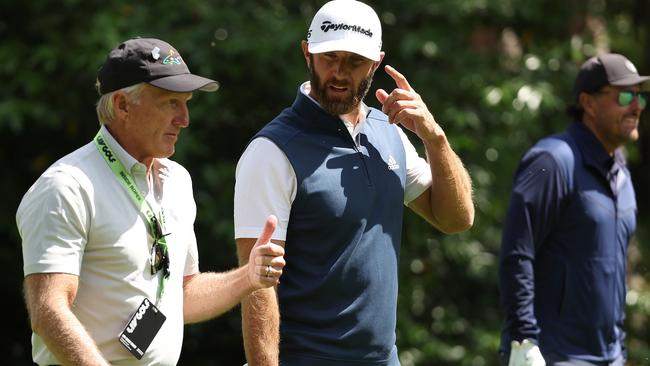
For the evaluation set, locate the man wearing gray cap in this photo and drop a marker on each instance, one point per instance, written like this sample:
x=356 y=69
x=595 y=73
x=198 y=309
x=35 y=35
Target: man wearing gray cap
x=338 y=173
x=110 y=255
x=572 y=213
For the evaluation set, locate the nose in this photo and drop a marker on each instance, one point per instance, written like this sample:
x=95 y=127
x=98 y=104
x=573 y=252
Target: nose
x=637 y=104
x=337 y=68
x=182 y=118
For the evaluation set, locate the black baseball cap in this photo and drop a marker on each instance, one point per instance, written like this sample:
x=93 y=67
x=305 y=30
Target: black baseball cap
x=151 y=61
x=606 y=69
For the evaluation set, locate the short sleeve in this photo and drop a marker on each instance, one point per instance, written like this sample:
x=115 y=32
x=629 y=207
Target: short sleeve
x=418 y=171
x=53 y=221
x=265 y=184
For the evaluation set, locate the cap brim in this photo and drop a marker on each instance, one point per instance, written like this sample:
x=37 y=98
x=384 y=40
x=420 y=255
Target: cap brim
x=185 y=83
x=630 y=80
x=338 y=45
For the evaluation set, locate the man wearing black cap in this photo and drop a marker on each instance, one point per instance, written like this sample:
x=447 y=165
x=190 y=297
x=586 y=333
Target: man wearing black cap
x=110 y=255
x=571 y=216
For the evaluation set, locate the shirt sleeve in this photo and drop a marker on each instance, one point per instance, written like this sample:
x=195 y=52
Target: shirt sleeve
x=418 y=171
x=53 y=222
x=265 y=184
x=532 y=214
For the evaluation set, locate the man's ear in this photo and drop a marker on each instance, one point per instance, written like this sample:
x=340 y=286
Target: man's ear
x=587 y=103
x=375 y=66
x=305 y=52
x=120 y=105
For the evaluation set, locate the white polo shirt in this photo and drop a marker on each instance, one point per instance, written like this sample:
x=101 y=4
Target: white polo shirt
x=266 y=183
x=77 y=218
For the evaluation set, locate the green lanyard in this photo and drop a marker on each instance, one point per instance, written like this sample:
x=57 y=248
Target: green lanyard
x=138 y=198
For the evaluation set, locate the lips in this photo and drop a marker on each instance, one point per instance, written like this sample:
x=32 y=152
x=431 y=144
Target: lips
x=338 y=89
x=172 y=135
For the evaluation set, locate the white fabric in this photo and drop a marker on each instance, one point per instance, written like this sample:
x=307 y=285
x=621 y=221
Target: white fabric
x=77 y=218
x=345 y=25
x=266 y=183
x=525 y=353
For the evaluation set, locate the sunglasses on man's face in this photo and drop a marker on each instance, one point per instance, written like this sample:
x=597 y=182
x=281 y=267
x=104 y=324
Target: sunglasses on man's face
x=159 y=258
x=625 y=97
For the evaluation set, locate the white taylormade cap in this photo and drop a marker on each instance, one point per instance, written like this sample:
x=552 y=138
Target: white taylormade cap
x=345 y=25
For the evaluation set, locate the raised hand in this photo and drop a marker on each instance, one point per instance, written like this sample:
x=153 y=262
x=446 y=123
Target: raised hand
x=266 y=259
x=404 y=106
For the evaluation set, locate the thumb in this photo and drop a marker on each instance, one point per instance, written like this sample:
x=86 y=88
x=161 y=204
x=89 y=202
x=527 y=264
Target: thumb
x=381 y=95
x=269 y=228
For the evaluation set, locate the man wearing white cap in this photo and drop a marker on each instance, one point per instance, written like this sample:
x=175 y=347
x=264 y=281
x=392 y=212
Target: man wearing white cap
x=571 y=217
x=110 y=256
x=338 y=173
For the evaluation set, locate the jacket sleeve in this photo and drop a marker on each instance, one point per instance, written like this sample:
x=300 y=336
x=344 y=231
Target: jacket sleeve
x=533 y=211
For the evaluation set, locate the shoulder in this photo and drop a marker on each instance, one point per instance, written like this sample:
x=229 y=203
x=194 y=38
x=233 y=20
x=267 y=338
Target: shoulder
x=66 y=184
x=282 y=128
x=550 y=161
x=558 y=150
x=73 y=171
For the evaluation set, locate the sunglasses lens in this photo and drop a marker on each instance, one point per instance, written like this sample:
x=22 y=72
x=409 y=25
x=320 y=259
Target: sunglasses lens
x=158 y=259
x=643 y=99
x=625 y=98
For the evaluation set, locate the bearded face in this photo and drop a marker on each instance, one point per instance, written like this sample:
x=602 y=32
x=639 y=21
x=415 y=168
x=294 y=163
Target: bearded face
x=338 y=96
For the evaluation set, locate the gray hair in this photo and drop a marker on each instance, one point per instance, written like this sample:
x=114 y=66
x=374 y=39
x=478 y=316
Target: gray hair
x=104 y=106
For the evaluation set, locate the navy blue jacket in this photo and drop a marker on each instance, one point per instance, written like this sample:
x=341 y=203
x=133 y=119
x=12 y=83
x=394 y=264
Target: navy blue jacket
x=562 y=265
x=338 y=293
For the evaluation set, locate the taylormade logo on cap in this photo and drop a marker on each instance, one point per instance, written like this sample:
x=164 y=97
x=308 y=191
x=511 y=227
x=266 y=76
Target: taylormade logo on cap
x=327 y=26
x=345 y=25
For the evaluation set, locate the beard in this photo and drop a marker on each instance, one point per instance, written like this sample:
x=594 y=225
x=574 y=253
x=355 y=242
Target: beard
x=338 y=105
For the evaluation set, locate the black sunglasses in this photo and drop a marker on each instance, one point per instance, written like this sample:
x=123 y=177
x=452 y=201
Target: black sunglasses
x=159 y=258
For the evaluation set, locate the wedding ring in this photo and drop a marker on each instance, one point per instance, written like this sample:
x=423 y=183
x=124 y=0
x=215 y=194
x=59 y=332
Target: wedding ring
x=268 y=271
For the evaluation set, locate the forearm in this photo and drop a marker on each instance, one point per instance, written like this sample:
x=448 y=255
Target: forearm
x=49 y=298
x=517 y=288
x=207 y=295
x=451 y=189
x=66 y=337
x=261 y=328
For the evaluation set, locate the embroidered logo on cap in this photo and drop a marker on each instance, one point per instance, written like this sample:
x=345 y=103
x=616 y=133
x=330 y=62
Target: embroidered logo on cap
x=171 y=60
x=630 y=66
x=327 y=26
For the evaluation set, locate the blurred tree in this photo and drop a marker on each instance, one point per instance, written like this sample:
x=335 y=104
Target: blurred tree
x=497 y=76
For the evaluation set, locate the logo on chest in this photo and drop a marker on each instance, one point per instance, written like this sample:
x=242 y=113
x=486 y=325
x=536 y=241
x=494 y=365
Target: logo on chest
x=392 y=163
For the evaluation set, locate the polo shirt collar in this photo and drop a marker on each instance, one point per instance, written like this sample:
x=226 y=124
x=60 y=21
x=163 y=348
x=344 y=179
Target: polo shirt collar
x=612 y=168
x=593 y=152
x=129 y=162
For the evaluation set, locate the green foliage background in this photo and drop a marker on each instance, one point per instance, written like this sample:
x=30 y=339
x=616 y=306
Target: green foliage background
x=496 y=74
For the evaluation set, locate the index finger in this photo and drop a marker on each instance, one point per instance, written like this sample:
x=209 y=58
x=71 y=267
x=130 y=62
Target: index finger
x=400 y=79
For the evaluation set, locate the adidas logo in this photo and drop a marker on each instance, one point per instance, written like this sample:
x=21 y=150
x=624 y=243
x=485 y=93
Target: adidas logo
x=392 y=163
